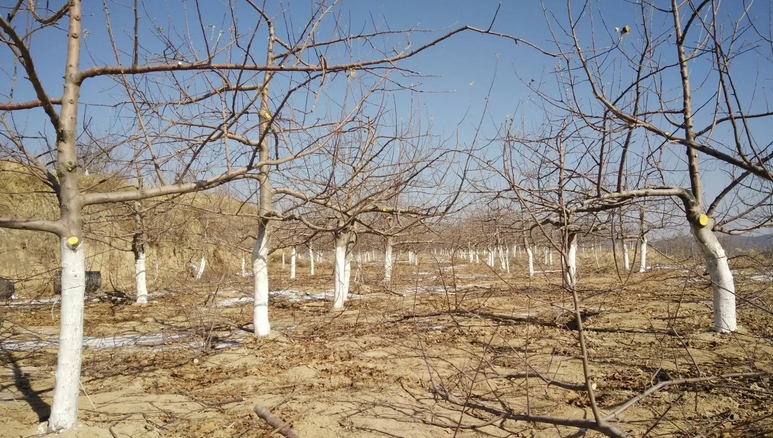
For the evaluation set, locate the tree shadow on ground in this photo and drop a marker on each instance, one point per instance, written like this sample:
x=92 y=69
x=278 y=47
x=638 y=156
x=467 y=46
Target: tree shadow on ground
x=23 y=386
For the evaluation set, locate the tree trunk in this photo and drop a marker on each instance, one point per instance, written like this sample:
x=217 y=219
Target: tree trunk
x=260 y=279
x=311 y=261
x=292 y=263
x=626 y=259
x=244 y=267
x=340 y=289
x=347 y=274
x=721 y=277
x=530 y=257
x=643 y=253
x=68 y=367
x=570 y=264
x=139 y=275
x=138 y=248
x=388 y=259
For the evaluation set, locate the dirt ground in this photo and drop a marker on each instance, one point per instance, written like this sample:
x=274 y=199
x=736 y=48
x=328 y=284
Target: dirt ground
x=447 y=351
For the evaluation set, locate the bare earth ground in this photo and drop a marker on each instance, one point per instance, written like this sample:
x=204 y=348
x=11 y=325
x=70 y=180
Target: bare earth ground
x=187 y=365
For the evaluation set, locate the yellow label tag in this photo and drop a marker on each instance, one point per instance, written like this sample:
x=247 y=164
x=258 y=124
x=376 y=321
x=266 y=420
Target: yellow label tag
x=703 y=220
x=268 y=116
x=383 y=209
x=72 y=240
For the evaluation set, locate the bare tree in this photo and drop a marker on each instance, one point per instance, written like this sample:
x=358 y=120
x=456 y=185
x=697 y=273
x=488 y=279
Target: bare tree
x=673 y=77
x=192 y=109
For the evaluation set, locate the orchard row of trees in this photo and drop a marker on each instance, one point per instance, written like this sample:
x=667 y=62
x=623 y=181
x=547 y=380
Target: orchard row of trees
x=325 y=133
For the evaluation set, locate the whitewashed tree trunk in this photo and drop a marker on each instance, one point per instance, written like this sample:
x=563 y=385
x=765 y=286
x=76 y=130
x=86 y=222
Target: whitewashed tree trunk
x=311 y=261
x=244 y=267
x=477 y=256
x=626 y=259
x=388 y=259
x=570 y=268
x=340 y=288
x=507 y=261
x=292 y=263
x=260 y=280
x=139 y=277
x=643 y=253
x=721 y=277
x=530 y=257
x=550 y=256
x=358 y=271
x=347 y=274
x=545 y=253
x=68 y=367
x=200 y=271
x=283 y=258
x=471 y=255
x=138 y=248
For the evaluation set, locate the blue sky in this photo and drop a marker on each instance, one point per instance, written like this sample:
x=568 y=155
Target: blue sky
x=460 y=79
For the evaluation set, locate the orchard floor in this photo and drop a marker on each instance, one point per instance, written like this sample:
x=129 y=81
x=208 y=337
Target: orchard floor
x=187 y=365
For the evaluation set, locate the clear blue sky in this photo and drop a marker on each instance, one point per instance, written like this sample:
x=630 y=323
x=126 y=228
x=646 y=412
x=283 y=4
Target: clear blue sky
x=461 y=72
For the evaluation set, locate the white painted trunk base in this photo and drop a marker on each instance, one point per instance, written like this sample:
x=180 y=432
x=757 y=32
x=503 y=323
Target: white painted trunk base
x=68 y=367
x=293 y=256
x=570 y=273
x=388 y=262
x=721 y=278
x=311 y=261
x=341 y=283
x=626 y=259
x=643 y=254
x=260 y=281
x=139 y=278
x=530 y=257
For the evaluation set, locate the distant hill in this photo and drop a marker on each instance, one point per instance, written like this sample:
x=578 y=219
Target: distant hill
x=733 y=245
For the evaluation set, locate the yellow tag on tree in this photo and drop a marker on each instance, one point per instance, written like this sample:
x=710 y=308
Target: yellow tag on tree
x=72 y=240
x=703 y=220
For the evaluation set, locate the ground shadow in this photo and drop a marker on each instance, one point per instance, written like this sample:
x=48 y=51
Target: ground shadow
x=23 y=386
